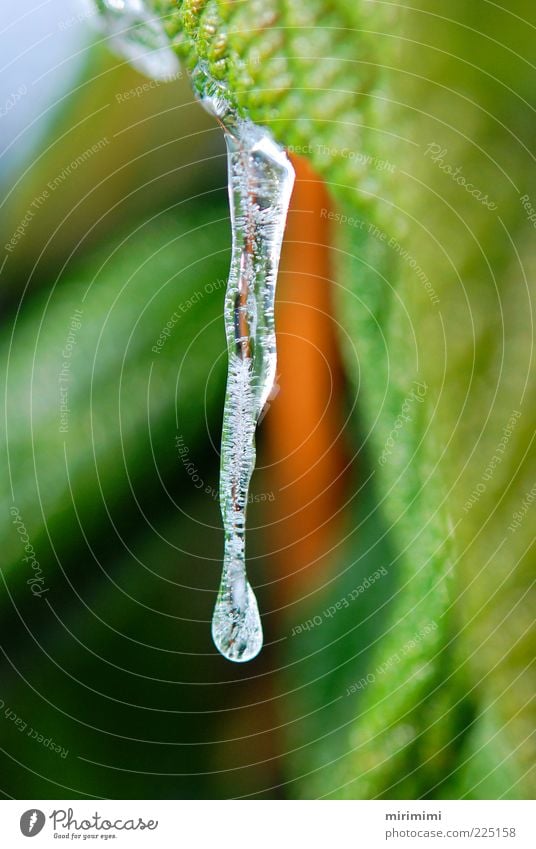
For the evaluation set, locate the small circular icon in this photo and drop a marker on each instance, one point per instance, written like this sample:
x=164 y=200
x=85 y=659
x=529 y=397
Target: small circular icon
x=31 y=822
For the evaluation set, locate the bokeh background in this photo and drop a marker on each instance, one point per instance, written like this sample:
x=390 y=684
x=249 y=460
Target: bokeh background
x=390 y=537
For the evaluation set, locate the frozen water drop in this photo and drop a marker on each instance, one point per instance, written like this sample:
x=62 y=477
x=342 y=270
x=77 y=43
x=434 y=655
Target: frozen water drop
x=236 y=624
x=137 y=33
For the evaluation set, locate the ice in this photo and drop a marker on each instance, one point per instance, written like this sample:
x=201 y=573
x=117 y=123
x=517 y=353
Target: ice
x=138 y=34
x=260 y=185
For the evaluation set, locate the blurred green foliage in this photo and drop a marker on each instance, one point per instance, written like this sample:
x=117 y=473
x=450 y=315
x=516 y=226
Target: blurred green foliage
x=420 y=687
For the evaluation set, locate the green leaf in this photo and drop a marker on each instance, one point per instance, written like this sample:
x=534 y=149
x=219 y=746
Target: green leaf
x=90 y=405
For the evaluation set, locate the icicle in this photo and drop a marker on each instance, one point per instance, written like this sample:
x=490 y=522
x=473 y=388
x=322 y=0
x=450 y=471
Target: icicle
x=260 y=184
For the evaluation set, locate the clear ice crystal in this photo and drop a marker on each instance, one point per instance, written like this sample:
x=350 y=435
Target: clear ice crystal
x=260 y=179
x=137 y=33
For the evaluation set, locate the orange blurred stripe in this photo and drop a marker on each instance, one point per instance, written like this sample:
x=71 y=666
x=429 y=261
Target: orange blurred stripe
x=303 y=428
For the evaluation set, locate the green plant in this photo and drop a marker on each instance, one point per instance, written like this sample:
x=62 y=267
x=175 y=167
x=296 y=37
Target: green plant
x=421 y=688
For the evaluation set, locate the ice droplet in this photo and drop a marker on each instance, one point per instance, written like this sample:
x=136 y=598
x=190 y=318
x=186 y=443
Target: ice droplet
x=260 y=185
x=136 y=32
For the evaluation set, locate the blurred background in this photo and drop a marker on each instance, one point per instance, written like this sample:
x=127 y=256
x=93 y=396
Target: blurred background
x=390 y=668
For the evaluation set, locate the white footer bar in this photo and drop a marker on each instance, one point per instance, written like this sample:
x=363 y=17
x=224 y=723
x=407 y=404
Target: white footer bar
x=269 y=824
